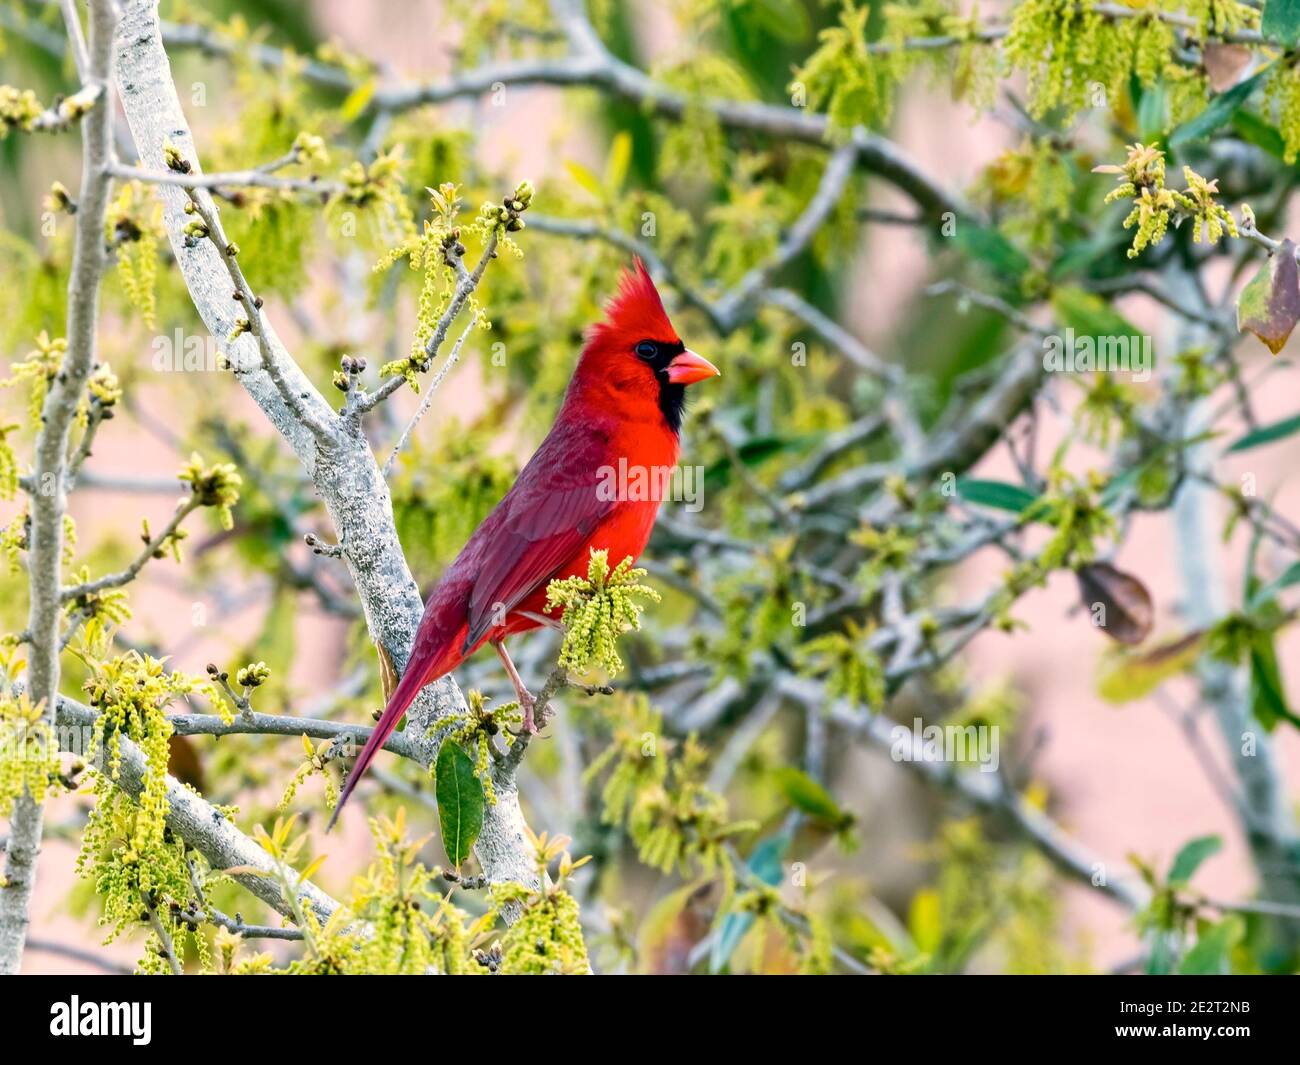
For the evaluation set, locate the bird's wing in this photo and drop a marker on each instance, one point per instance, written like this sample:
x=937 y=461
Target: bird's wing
x=552 y=510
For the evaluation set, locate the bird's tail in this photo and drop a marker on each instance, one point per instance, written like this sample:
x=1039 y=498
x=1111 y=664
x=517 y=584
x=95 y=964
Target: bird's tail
x=417 y=675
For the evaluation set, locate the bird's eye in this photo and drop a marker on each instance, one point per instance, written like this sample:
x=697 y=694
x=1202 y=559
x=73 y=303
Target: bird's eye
x=647 y=350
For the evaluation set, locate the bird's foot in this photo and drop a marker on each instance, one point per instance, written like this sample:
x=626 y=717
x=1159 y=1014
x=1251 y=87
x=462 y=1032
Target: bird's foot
x=528 y=702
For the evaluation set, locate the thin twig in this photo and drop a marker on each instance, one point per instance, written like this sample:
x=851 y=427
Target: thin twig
x=452 y=358
x=467 y=281
x=79 y=954
x=252 y=307
x=155 y=543
x=235 y=924
x=257 y=177
x=166 y=946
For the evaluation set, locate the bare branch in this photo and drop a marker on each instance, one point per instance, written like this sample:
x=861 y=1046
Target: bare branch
x=985 y=790
x=590 y=63
x=207 y=913
x=831 y=332
x=255 y=724
x=79 y=954
x=165 y=943
x=834 y=179
x=77 y=39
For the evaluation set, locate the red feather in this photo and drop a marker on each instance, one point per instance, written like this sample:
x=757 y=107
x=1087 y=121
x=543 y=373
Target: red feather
x=556 y=511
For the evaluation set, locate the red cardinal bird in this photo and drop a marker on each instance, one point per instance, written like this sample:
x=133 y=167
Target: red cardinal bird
x=622 y=411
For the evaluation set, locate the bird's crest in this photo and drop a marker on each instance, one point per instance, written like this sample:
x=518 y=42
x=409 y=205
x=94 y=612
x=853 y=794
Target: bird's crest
x=635 y=311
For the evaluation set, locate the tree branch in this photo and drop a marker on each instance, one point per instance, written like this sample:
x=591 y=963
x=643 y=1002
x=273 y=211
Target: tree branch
x=834 y=179
x=257 y=177
x=200 y=824
x=345 y=474
x=430 y=389
x=466 y=282
x=274 y=358
x=255 y=724
x=590 y=63
x=116 y=580
x=49 y=470
x=985 y=790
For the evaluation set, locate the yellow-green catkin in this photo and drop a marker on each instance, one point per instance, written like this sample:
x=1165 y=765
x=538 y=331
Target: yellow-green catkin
x=596 y=610
x=29 y=751
x=546 y=939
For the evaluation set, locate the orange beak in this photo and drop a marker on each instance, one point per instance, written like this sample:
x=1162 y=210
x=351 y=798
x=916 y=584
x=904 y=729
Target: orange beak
x=687 y=368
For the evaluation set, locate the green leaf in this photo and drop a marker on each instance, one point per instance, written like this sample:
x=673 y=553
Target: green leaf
x=1267 y=695
x=585 y=178
x=991 y=247
x=1136 y=676
x=1153 y=112
x=460 y=802
x=754 y=452
x=786 y=20
x=1160 y=956
x=1263 y=135
x=1119 y=484
x=805 y=794
x=1090 y=315
x=1266 y=434
x=1281 y=21
x=765 y=864
x=1269 y=306
x=1079 y=256
x=1290 y=576
x=1131 y=478
x=1189 y=859
x=1210 y=955
x=358 y=100
x=1221 y=110
x=997 y=494
x=925 y=921
x=663 y=923
x=620 y=155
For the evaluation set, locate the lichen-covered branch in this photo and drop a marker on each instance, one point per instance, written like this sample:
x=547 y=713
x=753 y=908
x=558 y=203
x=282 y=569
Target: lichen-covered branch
x=157 y=121
x=201 y=825
x=344 y=471
x=274 y=360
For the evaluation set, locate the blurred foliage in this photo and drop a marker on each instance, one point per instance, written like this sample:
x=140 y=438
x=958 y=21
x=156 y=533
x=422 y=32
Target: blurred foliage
x=713 y=846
